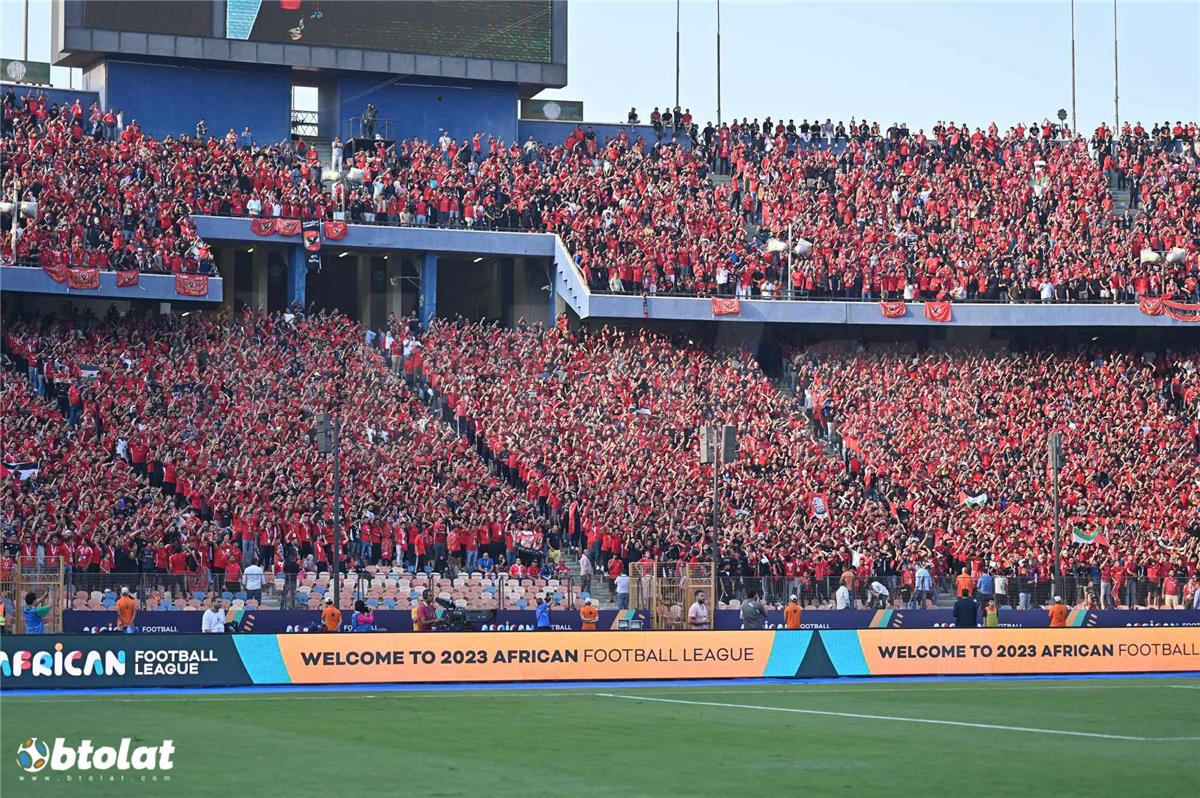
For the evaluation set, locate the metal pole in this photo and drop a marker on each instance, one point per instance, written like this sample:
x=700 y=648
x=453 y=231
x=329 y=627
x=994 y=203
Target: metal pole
x=25 y=40
x=789 y=269
x=678 y=3
x=716 y=509
x=1116 y=81
x=1074 y=122
x=337 y=515
x=718 y=63
x=1056 y=572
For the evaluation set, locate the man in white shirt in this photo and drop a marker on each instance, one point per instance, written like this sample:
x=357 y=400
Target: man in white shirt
x=844 y=601
x=698 y=614
x=213 y=621
x=622 y=583
x=252 y=581
x=586 y=571
x=879 y=595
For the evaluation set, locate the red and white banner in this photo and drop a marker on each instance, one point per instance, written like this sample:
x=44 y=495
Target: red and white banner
x=191 y=284
x=893 y=310
x=1150 y=305
x=335 y=231
x=57 y=273
x=83 y=278
x=938 y=311
x=287 y=227
x=127 y=278
x=1182 y=311
x=262 y=227
x=725 y=306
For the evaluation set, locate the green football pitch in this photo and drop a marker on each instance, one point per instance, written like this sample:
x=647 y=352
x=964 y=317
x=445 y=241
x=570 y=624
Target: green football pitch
x=1034 y=738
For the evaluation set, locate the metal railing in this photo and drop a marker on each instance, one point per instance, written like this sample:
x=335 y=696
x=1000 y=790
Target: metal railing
x=305 y=123
x=381 y=128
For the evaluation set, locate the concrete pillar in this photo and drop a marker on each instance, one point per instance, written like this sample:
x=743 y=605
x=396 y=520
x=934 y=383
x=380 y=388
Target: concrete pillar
x=262 y=278
x=226 y=268
x=297 y=276
x=427 y=306
x=362 y=265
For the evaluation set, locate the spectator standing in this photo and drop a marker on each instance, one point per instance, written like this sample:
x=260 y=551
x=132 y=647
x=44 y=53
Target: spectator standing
x=966 y=611
x=924 y=583
x=331 y=616
x=291 y=568
x=338 y=152
x=36 y=611
x=252 y=578
x=127 y=608
x=698 y=613
x=542 y=621
x=843 y=598
x=1058 y=613
x=791 y=613
x=622 y=589
x=985 y=588
x=752 y=612
x=213 y=621
x=586 y=570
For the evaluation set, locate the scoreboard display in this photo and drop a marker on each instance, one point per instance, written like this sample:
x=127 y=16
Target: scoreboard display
x=176 y=18
x=513 y=30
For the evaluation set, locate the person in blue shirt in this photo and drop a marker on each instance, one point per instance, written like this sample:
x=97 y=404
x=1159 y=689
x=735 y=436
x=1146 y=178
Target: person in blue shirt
x=985 y=588
x=543 y=615
x=485 y=563
x=35 y=613
x=924 y=588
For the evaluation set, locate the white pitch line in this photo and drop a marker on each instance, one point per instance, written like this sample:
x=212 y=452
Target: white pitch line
x=1185 y=686
x=846 y=689
x=894 y=718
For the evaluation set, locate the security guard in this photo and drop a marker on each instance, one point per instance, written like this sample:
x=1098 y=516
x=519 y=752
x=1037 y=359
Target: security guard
x=588 y=615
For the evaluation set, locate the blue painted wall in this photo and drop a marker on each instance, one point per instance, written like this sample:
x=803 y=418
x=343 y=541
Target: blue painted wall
x=59 y=96
x=423 y=111
x=170 y=99
x=25 y=280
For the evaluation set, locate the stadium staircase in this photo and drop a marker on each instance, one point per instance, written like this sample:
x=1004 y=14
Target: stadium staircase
x=1122 y=201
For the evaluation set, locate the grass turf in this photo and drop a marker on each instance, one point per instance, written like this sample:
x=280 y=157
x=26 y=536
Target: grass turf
x=580 y=742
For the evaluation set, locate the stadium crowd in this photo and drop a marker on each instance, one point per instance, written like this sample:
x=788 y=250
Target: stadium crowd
x=183 y=446
x=1026 y=214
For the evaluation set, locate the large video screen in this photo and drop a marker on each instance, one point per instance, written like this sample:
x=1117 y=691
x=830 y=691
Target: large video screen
x=505 y=31
x=177 y=18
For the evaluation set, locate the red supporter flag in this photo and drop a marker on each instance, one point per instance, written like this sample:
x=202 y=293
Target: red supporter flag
x=191 y=284
x=287 y=227
x=262 y=227
x=726 y=306
x=938 y=311
x=1150 y=305
x=336 y=231
x=57 y=273
x=83 y=278
x=1182 y=311
x=893 y=310
x=128 y=278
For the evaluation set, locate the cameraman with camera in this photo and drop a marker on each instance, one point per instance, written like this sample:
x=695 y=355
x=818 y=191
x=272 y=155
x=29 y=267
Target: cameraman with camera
x=426 y=616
